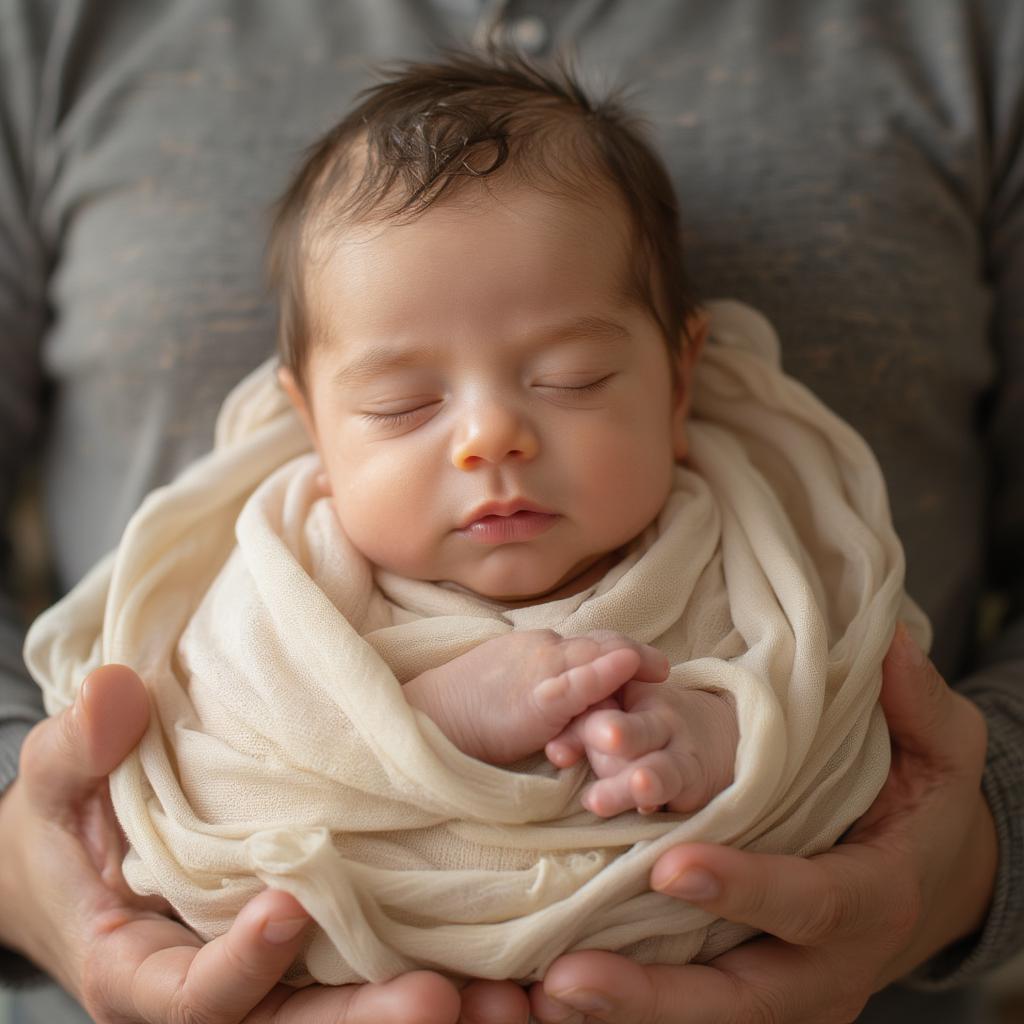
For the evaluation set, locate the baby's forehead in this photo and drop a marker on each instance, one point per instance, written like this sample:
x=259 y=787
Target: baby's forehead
x=450 y=236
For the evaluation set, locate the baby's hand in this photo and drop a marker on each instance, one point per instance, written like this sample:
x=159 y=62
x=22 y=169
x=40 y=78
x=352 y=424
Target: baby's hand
x=663 y=748
x=508 y=697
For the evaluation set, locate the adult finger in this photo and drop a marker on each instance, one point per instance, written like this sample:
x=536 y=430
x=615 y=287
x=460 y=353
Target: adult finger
x=925 y=717
x=802 y=901
x=228 y=976
x=762 y=980
x=236 y=975
x=494 y=1002
x=66 y=757
x=416 y=998
x=595 y=986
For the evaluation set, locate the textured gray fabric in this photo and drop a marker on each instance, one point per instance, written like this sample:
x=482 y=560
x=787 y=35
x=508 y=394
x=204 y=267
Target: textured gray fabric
x=854 y=169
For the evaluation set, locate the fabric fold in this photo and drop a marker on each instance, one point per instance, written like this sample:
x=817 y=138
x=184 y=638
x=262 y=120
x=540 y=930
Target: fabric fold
x=282 y=751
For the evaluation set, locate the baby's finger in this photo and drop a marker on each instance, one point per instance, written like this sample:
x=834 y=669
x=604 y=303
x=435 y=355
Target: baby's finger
x=571 y=692
x=625 y=734
x=565 y=749
x=653 y=667
x=645 y=784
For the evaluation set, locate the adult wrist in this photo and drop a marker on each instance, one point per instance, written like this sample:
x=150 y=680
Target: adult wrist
x=15 y=967
x=1000 y=925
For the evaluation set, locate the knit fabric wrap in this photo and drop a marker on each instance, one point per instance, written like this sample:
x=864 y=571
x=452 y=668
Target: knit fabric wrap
x=282 y=753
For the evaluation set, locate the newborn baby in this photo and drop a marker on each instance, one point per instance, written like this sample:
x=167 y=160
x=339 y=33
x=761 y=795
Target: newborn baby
x=495 y=373
x=517 y=588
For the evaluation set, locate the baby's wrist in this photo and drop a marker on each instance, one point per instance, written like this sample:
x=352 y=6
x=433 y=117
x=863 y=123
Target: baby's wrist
x=711 y=716
x=427 y=693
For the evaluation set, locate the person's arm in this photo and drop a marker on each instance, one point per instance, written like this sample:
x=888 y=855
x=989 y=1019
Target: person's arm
x=912 y=877
x=22 y=320
x=997 y=684
x=63 y=905
x=120 y=955
x=929 y=886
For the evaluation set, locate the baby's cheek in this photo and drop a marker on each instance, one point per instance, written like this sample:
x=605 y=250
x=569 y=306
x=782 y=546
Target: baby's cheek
x=387 y=519
x=632 y=484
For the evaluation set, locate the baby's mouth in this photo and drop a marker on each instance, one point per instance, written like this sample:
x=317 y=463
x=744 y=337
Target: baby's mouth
x=504 y=527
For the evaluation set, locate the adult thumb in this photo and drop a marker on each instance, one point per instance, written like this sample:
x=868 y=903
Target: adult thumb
x=66 y=757
x=920 y=709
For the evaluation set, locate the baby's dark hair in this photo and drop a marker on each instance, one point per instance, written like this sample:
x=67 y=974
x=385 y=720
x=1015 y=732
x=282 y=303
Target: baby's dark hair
x=428 y=130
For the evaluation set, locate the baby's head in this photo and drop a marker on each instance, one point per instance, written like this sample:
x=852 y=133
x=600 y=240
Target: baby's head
x=485 y=326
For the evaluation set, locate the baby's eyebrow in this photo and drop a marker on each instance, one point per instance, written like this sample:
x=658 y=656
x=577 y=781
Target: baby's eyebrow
x=584 y=328
x=380 y=359
x=374 y=362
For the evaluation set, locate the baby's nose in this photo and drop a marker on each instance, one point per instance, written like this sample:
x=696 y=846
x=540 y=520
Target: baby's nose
x=492 y=435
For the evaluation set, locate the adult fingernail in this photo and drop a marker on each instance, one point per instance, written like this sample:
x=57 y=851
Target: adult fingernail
x=284 y=930
x=695 y=885
x=559 y=1014
x=917 y=655
x=585 y=1000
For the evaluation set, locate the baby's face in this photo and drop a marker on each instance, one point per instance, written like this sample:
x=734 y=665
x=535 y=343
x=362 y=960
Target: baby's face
x=492 y=409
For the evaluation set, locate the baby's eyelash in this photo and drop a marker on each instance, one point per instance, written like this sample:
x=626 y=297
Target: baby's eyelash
x=392 y=419
x=597 y=385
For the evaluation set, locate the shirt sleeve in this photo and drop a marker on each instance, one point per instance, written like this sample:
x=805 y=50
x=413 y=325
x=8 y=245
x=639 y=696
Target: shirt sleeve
x=997 y=685
x=23 y=319
x=23 y=274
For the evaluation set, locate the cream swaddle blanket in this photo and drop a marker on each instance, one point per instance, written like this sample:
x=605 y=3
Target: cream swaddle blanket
x=282 y=752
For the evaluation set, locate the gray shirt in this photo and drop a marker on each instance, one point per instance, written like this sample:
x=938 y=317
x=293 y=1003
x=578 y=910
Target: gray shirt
x=853 y=169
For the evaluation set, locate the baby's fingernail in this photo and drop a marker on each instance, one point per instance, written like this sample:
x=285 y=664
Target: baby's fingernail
x=695 y=885
x=585 y=1000
x=281 y=931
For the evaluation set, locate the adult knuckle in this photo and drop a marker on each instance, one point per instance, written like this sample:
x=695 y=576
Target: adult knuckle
x=764 y=1004
x=902 y=914
x=189 y=1013
x=92 y=992
x=182 y=1009
x=236 y=966
x=830 y=915
x=30 y=752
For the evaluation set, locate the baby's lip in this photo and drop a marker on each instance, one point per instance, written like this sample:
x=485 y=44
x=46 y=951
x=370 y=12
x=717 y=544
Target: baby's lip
x=502 y=508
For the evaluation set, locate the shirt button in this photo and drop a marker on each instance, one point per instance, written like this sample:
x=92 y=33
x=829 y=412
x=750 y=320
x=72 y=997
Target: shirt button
x=529 y=34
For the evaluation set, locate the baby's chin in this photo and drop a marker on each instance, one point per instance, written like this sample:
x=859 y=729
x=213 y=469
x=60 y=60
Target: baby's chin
x=537 y=589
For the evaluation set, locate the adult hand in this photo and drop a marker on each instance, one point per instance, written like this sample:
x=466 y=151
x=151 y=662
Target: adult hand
x=912 y=876
x=67 y=908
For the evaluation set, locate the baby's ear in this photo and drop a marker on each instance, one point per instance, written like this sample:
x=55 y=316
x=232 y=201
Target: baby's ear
x=297 y=397
x=691 y=344
x=300 y=403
